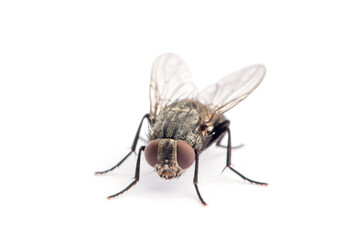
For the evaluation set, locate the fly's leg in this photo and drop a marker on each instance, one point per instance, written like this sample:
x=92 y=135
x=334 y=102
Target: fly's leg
x=133 y=147
x=218 y=144
x=137 y=175
x=228 y=164
x=219 y=133
x=247 y=179
x=195 y=180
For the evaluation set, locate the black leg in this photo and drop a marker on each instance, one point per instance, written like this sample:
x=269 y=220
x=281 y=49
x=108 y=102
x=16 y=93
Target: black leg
x=137 y=175
x=196 y=180
x=229 y=149
x=220 y=132
x=247 y=179
x=228 y=162
x=133 y=147
x=218 y=144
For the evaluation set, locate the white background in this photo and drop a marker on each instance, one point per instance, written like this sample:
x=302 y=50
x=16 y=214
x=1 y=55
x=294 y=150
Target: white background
x=74 y=79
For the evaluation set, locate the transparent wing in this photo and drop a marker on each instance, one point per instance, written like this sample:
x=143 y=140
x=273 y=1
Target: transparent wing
x=171 y=80
x=232 y=89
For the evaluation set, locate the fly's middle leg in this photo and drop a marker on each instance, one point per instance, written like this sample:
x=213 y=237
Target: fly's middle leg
x=228 y=161
x=218 y=143
x=133 y=147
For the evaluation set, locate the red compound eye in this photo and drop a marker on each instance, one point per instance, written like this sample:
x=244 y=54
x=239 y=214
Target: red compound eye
x=185 y=154
x=151 y=152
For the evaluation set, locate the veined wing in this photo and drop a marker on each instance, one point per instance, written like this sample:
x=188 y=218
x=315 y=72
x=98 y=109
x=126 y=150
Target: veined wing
x=232 y=89
x=171 y=80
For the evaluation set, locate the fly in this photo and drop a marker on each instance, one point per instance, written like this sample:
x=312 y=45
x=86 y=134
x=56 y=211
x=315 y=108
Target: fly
x=183 y=121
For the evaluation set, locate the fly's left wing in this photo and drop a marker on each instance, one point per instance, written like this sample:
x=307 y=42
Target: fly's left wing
x=171 y=81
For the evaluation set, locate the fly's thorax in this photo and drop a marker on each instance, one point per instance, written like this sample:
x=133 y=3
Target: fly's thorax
x=180 y=121
x=169 y=157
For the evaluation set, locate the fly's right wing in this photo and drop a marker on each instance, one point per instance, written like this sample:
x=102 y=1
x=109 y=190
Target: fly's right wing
x=171 y=81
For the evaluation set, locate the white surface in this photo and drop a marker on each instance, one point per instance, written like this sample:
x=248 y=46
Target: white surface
x=74 y=79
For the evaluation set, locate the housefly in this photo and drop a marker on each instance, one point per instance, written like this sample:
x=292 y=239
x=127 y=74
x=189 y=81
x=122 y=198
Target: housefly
x=183 y=122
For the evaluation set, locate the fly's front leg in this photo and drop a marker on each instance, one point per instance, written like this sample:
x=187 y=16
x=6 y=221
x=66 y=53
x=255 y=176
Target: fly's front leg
x=195 y=180
x=137 y=175
x=133 y=146
x=228 y=161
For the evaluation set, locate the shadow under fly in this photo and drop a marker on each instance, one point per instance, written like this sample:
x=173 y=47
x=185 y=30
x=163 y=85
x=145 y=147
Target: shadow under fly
x=184 y=122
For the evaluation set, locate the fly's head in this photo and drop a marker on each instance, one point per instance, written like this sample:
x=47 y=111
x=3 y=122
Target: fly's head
x=169 y=157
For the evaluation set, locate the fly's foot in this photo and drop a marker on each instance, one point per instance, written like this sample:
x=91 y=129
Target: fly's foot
x=245 y=178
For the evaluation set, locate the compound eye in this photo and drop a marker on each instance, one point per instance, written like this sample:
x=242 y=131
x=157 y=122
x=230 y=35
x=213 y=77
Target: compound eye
x=185 y=154
x=151 y=152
